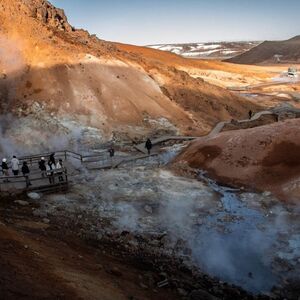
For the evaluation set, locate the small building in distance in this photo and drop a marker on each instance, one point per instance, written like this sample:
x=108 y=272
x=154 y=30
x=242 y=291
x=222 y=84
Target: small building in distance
x=292 y=72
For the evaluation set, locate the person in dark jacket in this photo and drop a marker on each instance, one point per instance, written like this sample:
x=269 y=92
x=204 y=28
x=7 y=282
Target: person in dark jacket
x=52 y=158
x=25 y=172
x=250 y=114
x=5 y=168
x=42 y=167
x=148 y=146
x=111 y=152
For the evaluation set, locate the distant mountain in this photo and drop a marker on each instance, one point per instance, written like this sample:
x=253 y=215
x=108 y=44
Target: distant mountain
x=220 y=50
x=271 y=51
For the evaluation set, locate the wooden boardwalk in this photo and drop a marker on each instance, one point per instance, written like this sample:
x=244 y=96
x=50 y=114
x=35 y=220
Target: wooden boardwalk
x=35 y=183
x=262 y=85
x=117 y=162
x=217 y=129
x=141 y=147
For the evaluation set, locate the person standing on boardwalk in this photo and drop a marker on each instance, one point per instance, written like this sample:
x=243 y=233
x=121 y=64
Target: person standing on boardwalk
x=5 y=172
x=60 y=168
x=15 y=165
x=148 y=146
x=250 y=114
x=111 y=152
x=52 y=158
x=42 y=167
x=50 y=171
x=25 y=172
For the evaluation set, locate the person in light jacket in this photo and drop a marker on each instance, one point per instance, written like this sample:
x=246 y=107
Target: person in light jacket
x=50 y=171
x=15 y=165
x=60 y=169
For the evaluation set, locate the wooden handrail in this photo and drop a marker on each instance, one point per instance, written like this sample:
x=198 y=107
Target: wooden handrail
x=25 y=180
x=56 y=173
x=64 y=153
x=38 y=156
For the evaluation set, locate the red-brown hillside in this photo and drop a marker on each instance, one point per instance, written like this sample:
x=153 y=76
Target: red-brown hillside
x=46 y=63
x=266 y=158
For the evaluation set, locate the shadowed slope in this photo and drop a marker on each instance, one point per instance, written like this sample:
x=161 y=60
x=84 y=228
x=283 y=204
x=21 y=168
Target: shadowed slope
x=288 y=51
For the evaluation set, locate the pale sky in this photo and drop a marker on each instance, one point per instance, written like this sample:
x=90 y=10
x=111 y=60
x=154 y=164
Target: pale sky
x=144 y=22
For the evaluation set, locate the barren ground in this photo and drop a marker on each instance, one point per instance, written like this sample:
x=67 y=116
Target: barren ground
x=118 y=234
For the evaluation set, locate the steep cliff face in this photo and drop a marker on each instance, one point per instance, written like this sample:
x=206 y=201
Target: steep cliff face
x=54 y=74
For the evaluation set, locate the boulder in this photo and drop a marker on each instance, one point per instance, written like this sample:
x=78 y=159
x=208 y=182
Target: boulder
x=34 y=196
x=22 y=202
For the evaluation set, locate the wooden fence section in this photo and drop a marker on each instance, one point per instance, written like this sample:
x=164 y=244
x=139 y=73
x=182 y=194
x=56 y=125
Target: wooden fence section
x=64 y=154
x=35 y=182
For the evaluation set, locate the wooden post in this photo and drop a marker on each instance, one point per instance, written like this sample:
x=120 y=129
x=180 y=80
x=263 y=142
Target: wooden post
x=66 y=176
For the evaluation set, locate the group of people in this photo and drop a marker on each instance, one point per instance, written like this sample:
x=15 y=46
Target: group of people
x=51 y=167
x=15 y=167
x=48 y=169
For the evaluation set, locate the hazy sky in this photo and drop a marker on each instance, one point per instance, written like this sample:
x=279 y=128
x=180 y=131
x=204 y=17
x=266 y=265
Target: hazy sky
x=144 y=22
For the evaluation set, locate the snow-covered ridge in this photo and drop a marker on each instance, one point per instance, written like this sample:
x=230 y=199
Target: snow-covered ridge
x=207 y=50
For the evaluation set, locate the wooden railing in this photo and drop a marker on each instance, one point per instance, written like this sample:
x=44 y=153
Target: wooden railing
x=62 y=154
x=37 y=181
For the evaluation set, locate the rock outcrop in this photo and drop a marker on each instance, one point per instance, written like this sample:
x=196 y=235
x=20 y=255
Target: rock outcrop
x=52 y=16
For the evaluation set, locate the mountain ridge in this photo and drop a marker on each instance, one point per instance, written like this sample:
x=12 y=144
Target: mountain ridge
x=287 y=51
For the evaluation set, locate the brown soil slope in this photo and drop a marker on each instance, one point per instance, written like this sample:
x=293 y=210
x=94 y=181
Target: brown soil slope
x=45 y=62
x=288 y=50
x=266 y=158
x=37 y=261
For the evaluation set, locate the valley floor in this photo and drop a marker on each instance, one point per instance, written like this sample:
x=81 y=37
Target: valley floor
x=141 y=232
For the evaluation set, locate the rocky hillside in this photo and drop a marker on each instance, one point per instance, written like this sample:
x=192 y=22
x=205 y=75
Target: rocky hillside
x=265 y=158
x=271 y=52
x=69 y=82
